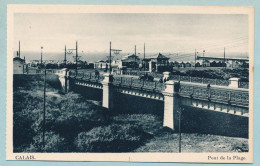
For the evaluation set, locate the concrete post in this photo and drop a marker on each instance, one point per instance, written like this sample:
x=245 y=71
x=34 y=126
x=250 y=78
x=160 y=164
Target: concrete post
x=150 y=66
x=108 y=92
x=171 y=104
x=166 y=75
x=233 y=82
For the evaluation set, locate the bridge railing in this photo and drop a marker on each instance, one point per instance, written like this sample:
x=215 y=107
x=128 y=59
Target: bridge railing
x=86 y=76
x=243 y=84
x=139 y=73
x=201 y=80
x=131 y=82
x=224 y=95
x=40 y=71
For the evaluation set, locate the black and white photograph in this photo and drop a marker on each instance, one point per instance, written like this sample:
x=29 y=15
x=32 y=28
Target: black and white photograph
x=131 y=82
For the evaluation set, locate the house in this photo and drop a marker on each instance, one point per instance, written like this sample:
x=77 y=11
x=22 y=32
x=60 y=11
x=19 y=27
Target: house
x=182 y=65
x=101 y=64
x=131 y=61
x=206 y=63
x=19 y=66
x=187 y=64
x=159 y=64
x=175 y=64
x=145 y=64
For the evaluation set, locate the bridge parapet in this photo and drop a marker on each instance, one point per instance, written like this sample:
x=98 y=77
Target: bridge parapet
x=227 y=95
x=232 y=82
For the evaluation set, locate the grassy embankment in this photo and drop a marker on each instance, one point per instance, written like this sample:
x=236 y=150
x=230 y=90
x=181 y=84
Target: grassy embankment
x=74 y=124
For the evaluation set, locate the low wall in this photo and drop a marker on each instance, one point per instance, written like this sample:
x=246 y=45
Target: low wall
x=197 y=120
x=88 y=92
x=130 y=104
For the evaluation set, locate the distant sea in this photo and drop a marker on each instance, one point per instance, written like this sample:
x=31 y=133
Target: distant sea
x=95 y=56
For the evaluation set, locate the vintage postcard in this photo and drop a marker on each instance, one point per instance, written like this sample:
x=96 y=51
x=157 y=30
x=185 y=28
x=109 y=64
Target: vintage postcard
x=130 y=83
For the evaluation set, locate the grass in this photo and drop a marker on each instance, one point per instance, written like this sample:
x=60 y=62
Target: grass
x=169 y=142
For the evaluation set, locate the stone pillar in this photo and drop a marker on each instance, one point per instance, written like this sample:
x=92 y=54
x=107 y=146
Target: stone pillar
x=171 y=104
x=233 y=82
x=108 y=92
x=166 y=75
x=64 y=79
x=150 y=66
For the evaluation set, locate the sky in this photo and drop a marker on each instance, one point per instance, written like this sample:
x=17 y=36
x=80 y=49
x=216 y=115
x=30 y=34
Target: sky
x=177 y=34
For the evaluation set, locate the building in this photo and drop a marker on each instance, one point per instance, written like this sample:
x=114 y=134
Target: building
x=159 y=64
x=206 y=63
x=182 y=65
x=19 y=66
x=175 y=64
x=188 y=64
x=228 y=62
x=101 y=64
x=131 y=61
x=145 y=64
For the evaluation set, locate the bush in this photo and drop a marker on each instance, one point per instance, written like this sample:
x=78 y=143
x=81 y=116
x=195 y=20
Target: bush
x=112 y=138
x=53 y=143
x=77 y=114
x=22 y=132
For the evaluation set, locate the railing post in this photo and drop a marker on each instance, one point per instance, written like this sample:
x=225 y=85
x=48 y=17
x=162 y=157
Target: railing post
x=171 y=104
x=202 y=80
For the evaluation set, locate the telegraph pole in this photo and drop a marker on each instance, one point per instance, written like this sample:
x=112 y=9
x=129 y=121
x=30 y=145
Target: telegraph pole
x=195 y=58
x=144 y=50
x=180 y=111
x=44 y=107
x=203 y=59
x=135 y=58
x=110 y=59
x=19 y=50
x=144 y=58
x=76 y=58
x=224 y=57
x=65 y=60
x=41 y=55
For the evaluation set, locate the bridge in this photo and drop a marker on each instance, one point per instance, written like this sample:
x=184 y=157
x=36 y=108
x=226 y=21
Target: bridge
x=127 y=93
